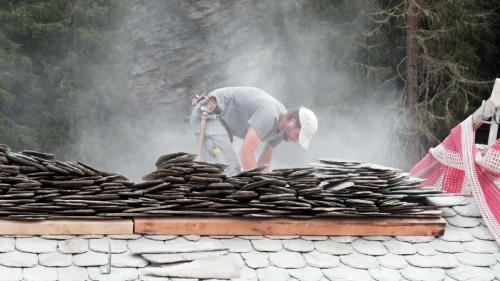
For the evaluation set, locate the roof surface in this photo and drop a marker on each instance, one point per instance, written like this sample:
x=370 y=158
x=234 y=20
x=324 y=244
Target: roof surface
x=467 y=251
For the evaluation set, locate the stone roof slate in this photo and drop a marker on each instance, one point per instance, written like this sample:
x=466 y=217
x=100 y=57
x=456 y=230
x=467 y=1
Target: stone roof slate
x=467 y=251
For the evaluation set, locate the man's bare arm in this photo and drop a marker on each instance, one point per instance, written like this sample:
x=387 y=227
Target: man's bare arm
x=247 y=152
x=266 y=156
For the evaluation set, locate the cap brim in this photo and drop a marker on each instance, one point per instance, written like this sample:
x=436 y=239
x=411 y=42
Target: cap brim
x=304 y=140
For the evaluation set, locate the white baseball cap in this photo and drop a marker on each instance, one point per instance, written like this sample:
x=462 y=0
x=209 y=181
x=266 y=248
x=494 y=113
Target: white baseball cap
x=308 y=126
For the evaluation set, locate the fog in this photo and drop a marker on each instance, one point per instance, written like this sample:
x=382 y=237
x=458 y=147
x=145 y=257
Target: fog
x=275 y=48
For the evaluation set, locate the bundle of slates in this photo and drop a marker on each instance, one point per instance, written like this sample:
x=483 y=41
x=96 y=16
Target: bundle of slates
x=181 y=186
x=36 y=185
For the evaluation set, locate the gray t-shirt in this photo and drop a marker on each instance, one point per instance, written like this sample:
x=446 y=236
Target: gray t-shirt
x=244 y=107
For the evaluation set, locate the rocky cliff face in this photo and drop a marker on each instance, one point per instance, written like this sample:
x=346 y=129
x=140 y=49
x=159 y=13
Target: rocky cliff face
x=183 y=48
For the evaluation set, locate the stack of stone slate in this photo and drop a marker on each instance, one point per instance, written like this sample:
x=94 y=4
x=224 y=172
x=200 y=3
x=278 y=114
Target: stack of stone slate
x=182 y=186
x=36 y=185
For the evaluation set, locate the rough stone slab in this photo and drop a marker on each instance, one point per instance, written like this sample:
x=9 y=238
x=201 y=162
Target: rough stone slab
x=334 y=248
x=125 y=236
x=18 y=259
x=470 y=210
x=459 y=221
x=55 y=259
x=314 y=238
x=425 y=249
x=448 y=212
x=343 y=272
x=101 y=245
x=360 y=261
x=392 y=261
x=237 y=245
x=306 y=274
x=267 y=245
x=298 y=245
x=455 y=234
x=256 y=259
x=202 y=245
x=399 y=247
x=179 y=257
x=287 y=259
x=465 y=272
x=57 y=237
x=384 y=274
x=239 y=260
x=372 y=248
x=343 y=239
x=36 y=245
x=73 y=246
x=415 y=239
x=377 y=238
x=447 y=247
x=450 y=201
x=146 y=277
x=11 y=273
x=7 y=244
x=481 y=247
x=496 y=270
x=66 y=227
x=90 y=259
x=127 y=259
x=247 y=274
x=423 y=274
x=439 y=261
x=145 y=245
x=272 y=273
x=223 y=267
x=72 y=273
x=481 y=232
x=117 y=274
x=40 y=273
x=321 y=260
x=476 y=259
x=192 y=237
x=161 y=237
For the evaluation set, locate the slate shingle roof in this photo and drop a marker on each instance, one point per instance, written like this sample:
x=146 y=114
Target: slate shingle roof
x=467 y=251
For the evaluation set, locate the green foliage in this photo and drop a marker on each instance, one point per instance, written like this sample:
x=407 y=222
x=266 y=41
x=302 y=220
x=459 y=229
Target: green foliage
x=56 y=60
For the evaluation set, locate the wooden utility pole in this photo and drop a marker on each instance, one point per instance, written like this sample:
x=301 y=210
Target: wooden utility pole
x=413 y=151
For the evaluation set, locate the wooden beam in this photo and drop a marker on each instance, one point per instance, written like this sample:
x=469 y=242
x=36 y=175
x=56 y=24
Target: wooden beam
x=66 y=226
x=239 y=226
x=487 y=110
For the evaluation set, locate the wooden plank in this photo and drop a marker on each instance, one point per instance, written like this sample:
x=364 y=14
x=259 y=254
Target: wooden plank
x=66 y=226
x=239 y=226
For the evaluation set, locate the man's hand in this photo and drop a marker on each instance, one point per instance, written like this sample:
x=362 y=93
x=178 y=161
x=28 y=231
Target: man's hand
x=266 y=156
x=247 y=152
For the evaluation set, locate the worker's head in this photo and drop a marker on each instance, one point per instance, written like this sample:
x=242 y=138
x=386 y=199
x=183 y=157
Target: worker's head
x=301 y=125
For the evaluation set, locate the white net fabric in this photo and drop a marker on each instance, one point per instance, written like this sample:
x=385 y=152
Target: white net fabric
x=490 y=160
x=472 y=178
x=447 y=158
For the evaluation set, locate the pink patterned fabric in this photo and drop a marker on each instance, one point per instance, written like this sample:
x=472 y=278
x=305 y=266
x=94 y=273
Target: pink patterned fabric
x=457 y=163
